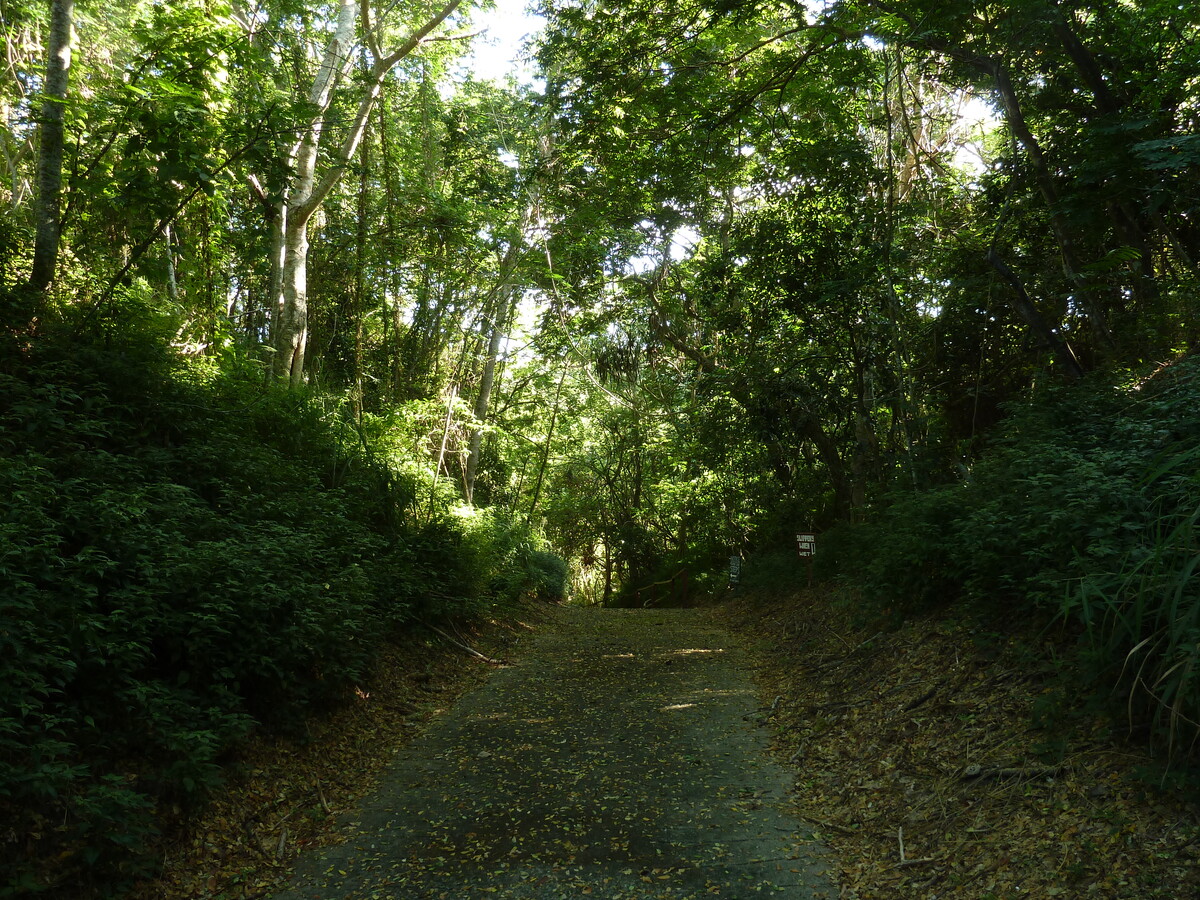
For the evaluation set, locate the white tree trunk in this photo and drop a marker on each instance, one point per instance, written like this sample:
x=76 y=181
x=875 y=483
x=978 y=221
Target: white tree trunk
x=484 y=398
x=291 y=327
x=50 y=157
x=169 y=258
x=306 y=192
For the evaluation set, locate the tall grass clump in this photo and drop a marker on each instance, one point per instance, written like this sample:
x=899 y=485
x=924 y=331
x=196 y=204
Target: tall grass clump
x=1141 y=617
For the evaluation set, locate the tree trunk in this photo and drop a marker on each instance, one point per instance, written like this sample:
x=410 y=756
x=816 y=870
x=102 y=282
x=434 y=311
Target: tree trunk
x=360 y=279
x=1028 y=311
x=306 y=193
x=291 y=337
x=606 y=601
x=169 y=258
x=47 y=209
x=1014 y=115
x=483 y=401
x=291 y=332
x=537 y=488
x=503 y=313
x=437 y=469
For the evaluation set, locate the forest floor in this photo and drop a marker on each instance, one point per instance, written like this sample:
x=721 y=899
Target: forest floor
x=616 y=758
x=921 y=756
x=615 y=754
x=945 y=758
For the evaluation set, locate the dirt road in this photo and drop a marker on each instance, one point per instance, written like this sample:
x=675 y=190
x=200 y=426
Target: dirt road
x=615 y=759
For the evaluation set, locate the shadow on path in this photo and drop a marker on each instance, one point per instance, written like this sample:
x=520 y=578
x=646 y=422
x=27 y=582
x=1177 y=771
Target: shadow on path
x=613 y=761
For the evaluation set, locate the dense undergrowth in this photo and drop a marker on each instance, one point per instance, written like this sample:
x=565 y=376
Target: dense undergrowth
x=186 y=558
x=1085 y=508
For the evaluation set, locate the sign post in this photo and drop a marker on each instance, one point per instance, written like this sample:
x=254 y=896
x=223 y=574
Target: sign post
x=806 y=549
x=735 y=570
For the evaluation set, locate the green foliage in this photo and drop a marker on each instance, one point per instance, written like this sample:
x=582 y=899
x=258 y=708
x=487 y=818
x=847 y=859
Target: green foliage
x=547 y=575
x=184 y=558
x=754 y=229
x=1141 y=611
x=1077 y=509
x=510 y=559
x=905 y=558
x=780 y=572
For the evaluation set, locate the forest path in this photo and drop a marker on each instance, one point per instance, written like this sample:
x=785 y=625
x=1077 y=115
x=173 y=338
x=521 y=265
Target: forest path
x=614 y=760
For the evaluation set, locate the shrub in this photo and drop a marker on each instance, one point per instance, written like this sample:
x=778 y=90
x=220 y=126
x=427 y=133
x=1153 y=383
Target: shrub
x=185 y=557
x=511 y=558
x=908 y=557
x=546 y=575
x=1078 y=509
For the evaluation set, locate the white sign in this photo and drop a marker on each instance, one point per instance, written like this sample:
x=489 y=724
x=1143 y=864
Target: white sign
x=806 y=543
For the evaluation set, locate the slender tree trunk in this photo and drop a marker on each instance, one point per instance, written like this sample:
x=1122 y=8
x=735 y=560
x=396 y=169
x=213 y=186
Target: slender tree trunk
x=503 y=310
x=291 y=333
x=537 y=487
x=1015 y=116
x=835 y=467
x=47 y=208
x=360 y=281
x=483 y=401
x=1085 y=62
x=394 y=322
x=307 y=193
x=437 y=469
x=1131 y=222
x=169 y=258
x=274 y=306
x=1029 y=312
x=608 y=575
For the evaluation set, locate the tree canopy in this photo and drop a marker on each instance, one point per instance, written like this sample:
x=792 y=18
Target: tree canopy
x=922 y=277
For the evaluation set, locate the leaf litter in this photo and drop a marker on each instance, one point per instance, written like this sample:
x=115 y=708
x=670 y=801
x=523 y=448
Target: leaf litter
x=284 y=794
x=617 y=759
x=940 y=759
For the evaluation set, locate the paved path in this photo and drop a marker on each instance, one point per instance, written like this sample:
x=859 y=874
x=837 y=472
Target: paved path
x=614 y=761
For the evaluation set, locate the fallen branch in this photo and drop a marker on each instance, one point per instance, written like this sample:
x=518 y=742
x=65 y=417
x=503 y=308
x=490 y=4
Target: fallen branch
x=918 y=862
x=840 y=706
x=899 y=687
x=862 y=644
x=830 y=825
x=404 y=709
x=924 y=698
x=462 y=646
x=838 y=636
x=977 y=772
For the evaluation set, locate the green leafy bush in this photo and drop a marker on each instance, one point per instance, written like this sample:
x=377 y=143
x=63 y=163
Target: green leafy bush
x=511 y=558
x=546 y=575
x=779 y=572
x=1086 y=506
x=184 y=558
x=906 y=558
